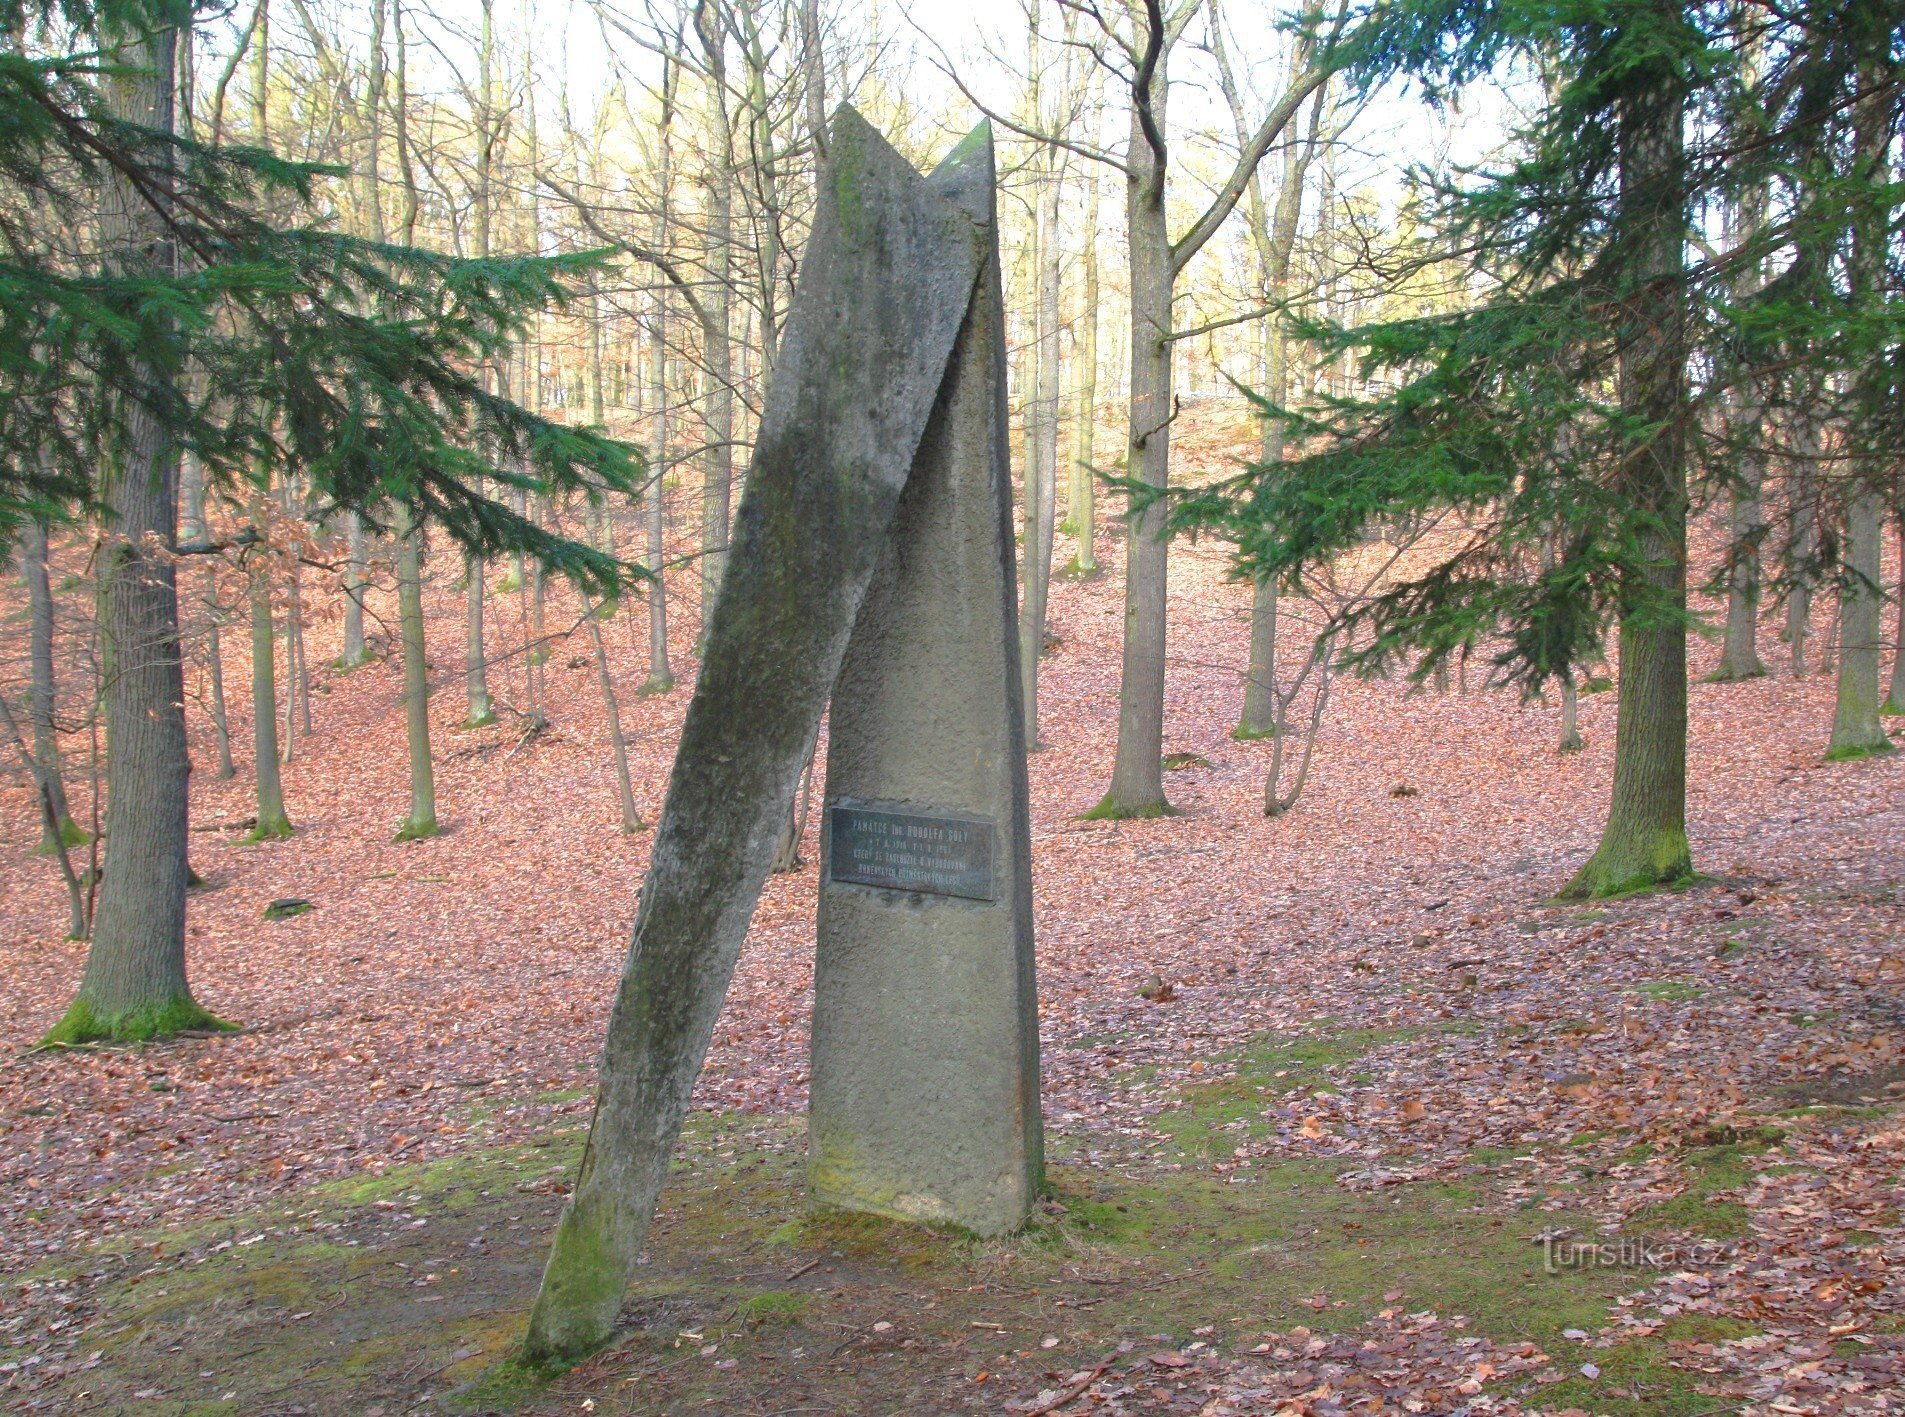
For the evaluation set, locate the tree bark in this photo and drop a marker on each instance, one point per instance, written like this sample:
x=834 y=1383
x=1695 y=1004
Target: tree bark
x=1644 y=843
x=618 y=745
x=661 y=677
x=1137 y=773
x=1895 y=699
x=355 y=651
x=135 y=982
x=1137 y=782
x=1041 y=462
x=1804 y=546
x=1856 y=730
x=50 y=825
x=422 y=820
x=297 y=701
x=1082 y=490
x=1571 y=740
x=1739 y=651
x=272 y=822
x=1274 y=236
x=215 y=668
x=60 y=829
x=482 y=709
x=717 y=334
x=192 y=502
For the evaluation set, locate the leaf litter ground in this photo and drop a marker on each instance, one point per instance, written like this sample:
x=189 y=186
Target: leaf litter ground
x=1344 y=1115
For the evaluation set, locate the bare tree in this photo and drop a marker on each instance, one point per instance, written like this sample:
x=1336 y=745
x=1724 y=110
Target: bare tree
x=1273 y=235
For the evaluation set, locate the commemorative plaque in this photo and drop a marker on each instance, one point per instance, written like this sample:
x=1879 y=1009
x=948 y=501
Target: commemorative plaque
x=930 y=853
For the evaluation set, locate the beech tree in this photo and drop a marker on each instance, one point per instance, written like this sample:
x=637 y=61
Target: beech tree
x=1856 y=729
x=1157 y=260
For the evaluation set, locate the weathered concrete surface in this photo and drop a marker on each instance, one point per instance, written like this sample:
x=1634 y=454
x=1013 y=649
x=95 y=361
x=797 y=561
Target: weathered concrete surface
x=885 y=286
x=924 y=1098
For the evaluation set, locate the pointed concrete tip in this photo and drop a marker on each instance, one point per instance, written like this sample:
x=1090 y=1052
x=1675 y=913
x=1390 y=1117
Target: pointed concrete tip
x=857 y=148
x=975 y=147
x=846 y=116
x=967 y=176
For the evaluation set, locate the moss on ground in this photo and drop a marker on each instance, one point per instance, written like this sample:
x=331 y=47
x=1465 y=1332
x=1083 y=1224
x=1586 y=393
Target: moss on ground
x=1215 y=1115
x=384 y=1290
x=1670 y=991
x=1638 y=1376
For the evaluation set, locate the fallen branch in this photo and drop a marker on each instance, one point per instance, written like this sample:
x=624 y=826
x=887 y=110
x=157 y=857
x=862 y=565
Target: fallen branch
x=1075 y=1390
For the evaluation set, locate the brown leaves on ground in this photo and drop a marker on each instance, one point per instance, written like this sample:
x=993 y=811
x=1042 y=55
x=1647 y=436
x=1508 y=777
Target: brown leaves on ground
x=453 y=991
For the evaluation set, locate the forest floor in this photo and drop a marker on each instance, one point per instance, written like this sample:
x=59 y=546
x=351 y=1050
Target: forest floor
x=1343 y=1113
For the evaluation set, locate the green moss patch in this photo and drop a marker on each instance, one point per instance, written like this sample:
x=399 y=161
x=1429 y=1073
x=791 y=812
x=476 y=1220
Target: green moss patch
x=1639 y=1377
x=1670 y=991
x=84 y=1023
x=394 y=1289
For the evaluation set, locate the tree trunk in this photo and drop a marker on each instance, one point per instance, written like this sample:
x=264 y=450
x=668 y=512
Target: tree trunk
x=1739 y=652
x=1041 y=463
x=50 y=827
x=135 y=984
x=1571 y=739
x=618 y=745
x=422 y=820
x=1082 y=490
x=1895 y=700
x=1274 y=236
x=1856 y=730
x=60 y=828
x=1259 y=717
x=215 y=667
x=661 y=677
x=1645 y=841
x=1137 y=774
x=482 y=710
x=355 y=651
x=192 y=496
x=1804 y=547
x=787 y=855
x=601 y=525
x=272 y=822
x=297 y=683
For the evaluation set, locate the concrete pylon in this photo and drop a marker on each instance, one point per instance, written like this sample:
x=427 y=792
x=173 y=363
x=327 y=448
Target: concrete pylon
x=924 y=1091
